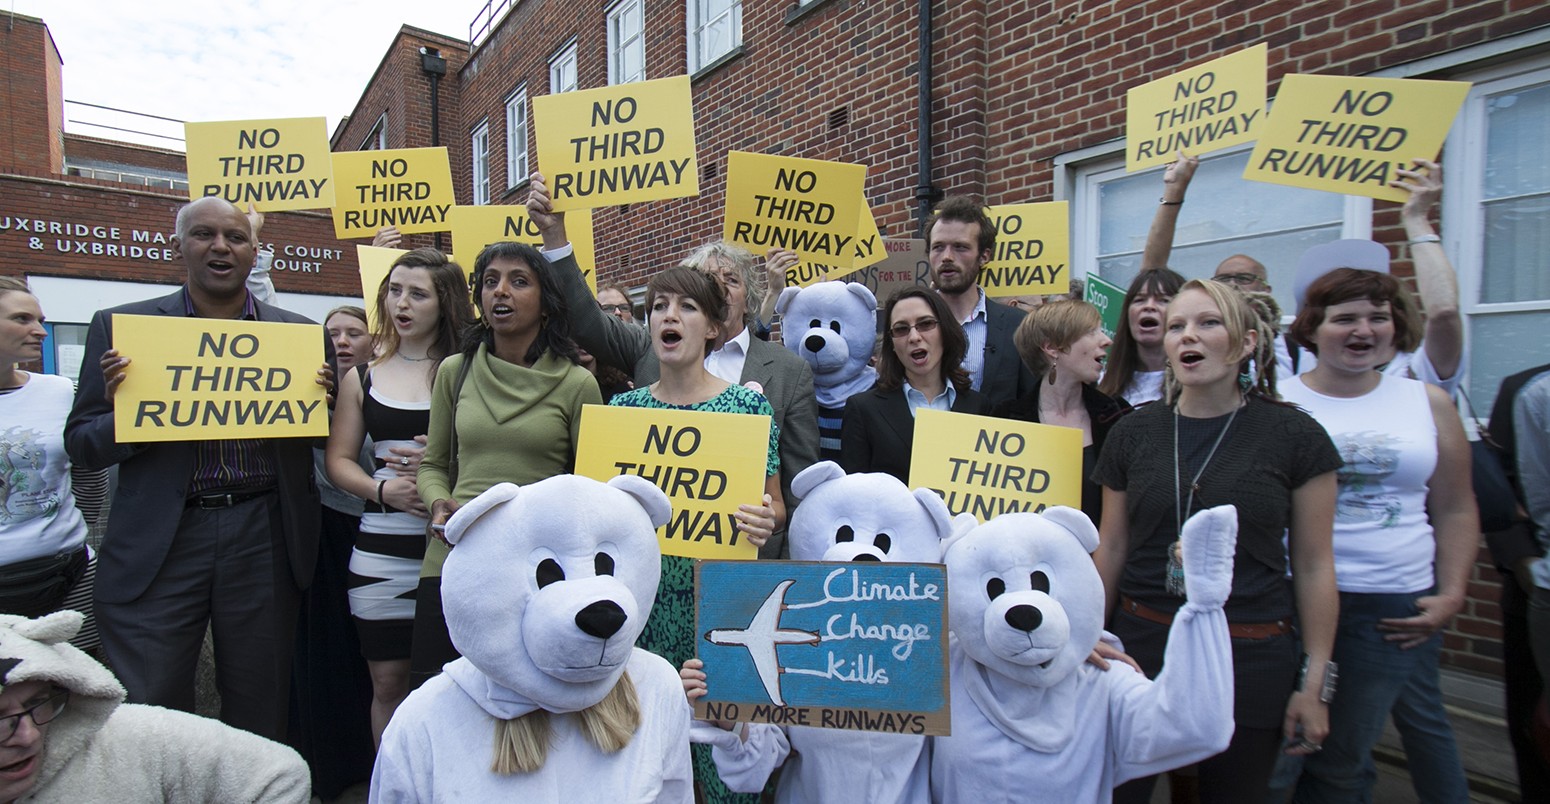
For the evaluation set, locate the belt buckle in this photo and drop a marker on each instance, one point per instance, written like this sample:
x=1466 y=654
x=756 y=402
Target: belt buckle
x=212 y=502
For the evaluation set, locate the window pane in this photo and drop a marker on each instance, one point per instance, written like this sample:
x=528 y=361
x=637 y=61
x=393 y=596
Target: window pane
x=1524 y=336
x=1516 y=242
x=1279 y=252
x=1517 y=156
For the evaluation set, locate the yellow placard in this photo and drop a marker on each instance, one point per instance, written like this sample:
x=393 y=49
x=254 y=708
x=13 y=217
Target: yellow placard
x=200 y=379
x=1349 y=135
x=410 y=188
x=272 y=164
x=473 y=228
x=618 y=144
x=1207 y=107
x=809 y=206
x=707 y=463
x=375 y=263
x=987 y=466
x=867 y=250
x=1033 y=250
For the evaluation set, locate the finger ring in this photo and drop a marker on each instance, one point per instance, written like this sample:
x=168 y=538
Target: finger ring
x=1311 y=746
x=404 y=460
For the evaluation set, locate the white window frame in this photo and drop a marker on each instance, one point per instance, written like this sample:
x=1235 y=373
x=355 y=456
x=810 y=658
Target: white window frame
x=697 y=23
x=479 y=147
x=563 y=59
x=516 y=137
x=1463 y=209
x=376 y=138
x=617 y=48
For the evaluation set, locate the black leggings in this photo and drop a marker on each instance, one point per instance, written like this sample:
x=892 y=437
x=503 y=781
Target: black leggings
x=431 y=646
x=1241 y=773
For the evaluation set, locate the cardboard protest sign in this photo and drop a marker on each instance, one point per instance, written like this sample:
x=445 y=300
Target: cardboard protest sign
x=1109 y=298
x=860 y=646
x=1033 y=250
x=868 y=251
x=375 y=263
x=272 y=164
x=904 y=265
x=618 y=144
x=200 y=379
x=987 y=466
x=410 y=188
x=708 y=464
x=475 y=227
x=1205 y=108
x=1349 y=135
x=809 y=206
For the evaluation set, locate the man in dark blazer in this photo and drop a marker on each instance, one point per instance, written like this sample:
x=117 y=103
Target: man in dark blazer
x=960 y=239
x=223 y=533
x=769 y=368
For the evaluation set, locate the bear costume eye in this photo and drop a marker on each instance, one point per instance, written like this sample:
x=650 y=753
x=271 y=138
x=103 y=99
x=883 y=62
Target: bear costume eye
x=994 y=587
x=882 y=542
x=603 y=563
x=549 y=571
x=845 y=534
x=835 y=325
x=814 y=324
x=1040 y=582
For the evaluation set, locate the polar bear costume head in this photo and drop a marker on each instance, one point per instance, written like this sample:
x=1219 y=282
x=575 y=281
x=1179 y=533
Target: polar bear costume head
x=865 y=517
x=832 y=326
x=1025 y=599
x=549 y=584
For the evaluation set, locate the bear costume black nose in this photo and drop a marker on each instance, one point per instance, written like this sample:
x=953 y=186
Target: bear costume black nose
x=813 y=343
x=602 y=619
x=1024 y=618
x=866 y=557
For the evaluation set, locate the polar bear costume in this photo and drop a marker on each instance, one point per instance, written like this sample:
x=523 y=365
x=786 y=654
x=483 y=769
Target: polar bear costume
x=1032 y=720
x=859 y=517
x=545 y=592
x=832 y=326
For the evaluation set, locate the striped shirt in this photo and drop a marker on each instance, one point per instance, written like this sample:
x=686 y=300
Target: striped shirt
x=232 y=464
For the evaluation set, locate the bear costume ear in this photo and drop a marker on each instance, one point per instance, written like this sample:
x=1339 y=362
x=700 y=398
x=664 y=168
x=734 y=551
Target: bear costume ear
x=937 y=510
x=52 y=629
x=651 y=498
x=784 y=300
x=478 y=507
x=962 y=524
x=1075 y=521
x=814 y=476
x=860 y=291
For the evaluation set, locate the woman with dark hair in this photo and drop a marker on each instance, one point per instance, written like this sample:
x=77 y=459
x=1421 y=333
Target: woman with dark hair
x=1063 y=344
x=1220 y=436
x=507 y=409
x=1135 y=369
x=920 y=367
x=685 y=308
x=422 y=306
x=1406 y=528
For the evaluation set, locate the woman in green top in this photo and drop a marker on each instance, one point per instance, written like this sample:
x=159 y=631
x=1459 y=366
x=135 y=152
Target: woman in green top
x=684 y=310
x=511 y=415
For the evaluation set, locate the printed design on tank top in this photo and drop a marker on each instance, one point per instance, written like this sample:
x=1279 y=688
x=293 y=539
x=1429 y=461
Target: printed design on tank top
x=23 y=494
x=1371 y=457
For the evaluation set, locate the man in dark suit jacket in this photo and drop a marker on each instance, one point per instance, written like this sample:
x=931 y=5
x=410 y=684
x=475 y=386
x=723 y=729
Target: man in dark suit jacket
x=960 y=239
x=223 y=533
x=783 y=378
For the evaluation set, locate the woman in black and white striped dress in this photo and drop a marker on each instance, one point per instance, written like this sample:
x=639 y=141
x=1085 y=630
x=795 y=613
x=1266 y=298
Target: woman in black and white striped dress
x=422 y=307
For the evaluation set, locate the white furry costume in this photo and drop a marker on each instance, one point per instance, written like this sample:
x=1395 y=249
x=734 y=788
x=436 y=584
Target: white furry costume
x=545 y=593
x=1032 y=720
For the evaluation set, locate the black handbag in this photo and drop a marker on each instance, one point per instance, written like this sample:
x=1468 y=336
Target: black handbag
x=1494 y=494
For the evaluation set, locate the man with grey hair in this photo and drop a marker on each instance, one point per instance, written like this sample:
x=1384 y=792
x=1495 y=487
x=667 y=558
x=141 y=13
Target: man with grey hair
x=219 y=533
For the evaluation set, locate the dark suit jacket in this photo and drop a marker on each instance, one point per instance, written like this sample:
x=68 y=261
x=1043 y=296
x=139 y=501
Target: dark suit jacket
x=1006 y=377
x=153 y=478
x=785 y=379
x=879 y=433
x=1102 y=410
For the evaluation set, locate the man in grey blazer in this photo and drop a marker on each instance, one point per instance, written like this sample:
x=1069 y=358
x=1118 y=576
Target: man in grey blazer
x=960 y=239
x=782 y=377
x=223 y=533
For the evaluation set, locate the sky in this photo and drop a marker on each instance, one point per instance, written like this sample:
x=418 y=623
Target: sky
x=194 y=60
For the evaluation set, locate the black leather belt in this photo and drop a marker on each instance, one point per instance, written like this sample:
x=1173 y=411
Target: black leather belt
x=225 y=499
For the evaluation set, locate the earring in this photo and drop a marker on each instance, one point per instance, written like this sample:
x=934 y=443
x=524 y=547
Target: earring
x=1245 y=381
x=1052 y=367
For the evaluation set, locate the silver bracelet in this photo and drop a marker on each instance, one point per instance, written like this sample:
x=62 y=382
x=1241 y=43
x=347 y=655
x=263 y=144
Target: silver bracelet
x=1426 y=238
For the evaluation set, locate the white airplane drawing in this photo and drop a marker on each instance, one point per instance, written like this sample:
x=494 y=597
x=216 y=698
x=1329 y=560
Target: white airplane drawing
x=762 y=636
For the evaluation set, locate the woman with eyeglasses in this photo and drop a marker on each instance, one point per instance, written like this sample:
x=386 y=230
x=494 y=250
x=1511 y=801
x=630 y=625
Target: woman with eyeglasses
x=919 y=367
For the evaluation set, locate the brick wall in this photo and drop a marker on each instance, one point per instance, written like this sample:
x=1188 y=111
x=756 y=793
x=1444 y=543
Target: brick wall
x=81 y=147
x=31 y=106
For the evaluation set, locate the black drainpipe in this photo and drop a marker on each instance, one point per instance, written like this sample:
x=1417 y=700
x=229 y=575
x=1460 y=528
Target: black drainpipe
x=926 y=193
x=433 y=65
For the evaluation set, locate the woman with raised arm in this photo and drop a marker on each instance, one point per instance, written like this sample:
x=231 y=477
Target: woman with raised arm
x=1134 y=374
x=1220 y=436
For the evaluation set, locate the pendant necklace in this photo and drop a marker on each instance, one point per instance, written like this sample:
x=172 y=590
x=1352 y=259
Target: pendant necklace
x=1174 y=579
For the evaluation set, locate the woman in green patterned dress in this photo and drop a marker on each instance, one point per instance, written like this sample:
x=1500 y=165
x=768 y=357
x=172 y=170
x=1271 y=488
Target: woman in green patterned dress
x=684 y=310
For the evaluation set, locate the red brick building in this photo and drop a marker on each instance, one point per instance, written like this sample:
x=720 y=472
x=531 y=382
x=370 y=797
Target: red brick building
x=1025 y=102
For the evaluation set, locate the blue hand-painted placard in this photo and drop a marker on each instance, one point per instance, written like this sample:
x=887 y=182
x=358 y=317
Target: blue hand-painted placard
x=859 y=645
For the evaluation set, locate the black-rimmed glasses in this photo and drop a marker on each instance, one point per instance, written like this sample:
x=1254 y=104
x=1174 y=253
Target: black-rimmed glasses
x=42 y=712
